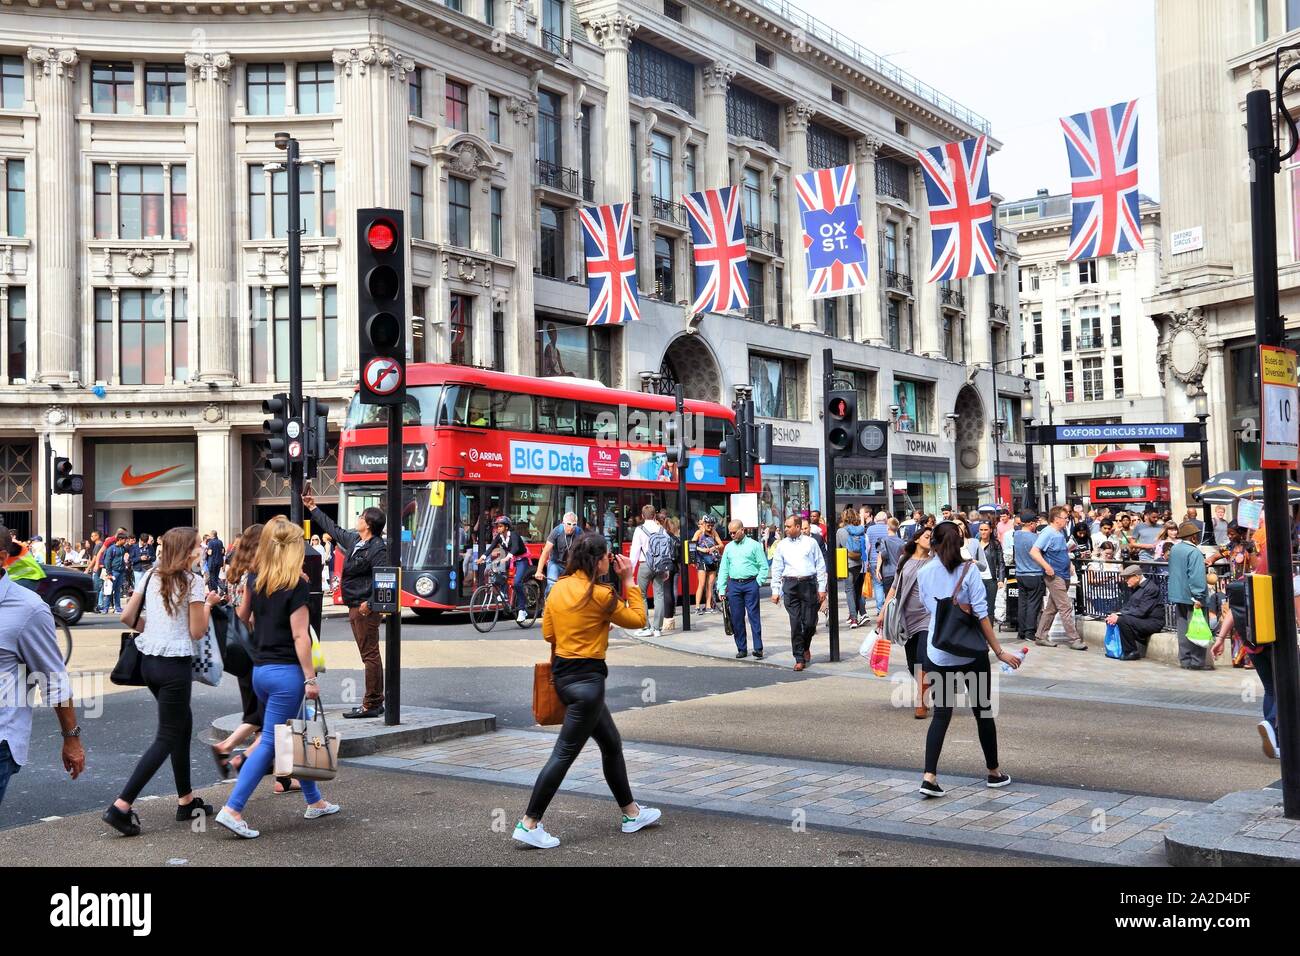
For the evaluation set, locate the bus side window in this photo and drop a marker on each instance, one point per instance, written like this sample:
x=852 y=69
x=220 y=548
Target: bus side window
x=513 y=412
x=713 y=431
x=455 y=406
x=480 y=409
x=556 y=416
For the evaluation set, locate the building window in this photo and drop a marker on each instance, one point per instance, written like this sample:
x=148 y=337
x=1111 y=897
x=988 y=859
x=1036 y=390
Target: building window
x=553 y=27
x=140 y=197
x=490 y=12
x=307 y=305
x=752 y=199
x=498 y=196
x=1092 y=380
x=330 y=302
x=457 y=106
x=180 y=203
x=16 y=197
x=757 y=286
x=900 y=127
x=180 y=335
x=749 y=114
x=419 y=342
x=1261 y=20
x=417 y=201
x=1013 y=429
x=775 y=382
x=915 y=401
x=1292 y=15
x=1090 y=326
x=316 y=202
x=674 y=11
x=1116 y=328
x=890 y=251
x=658 y=75
x=778 y=275
x=164 y=89
x=894 y=331
x=103 y=335
x=1063 y=275
x=1038 y=333
x=461 y=312
x=548 y=128
x=16 y=365
x=265 y=89
x=571 y=350
x=893 y=178
x=1118 y=366
x=458 y=210
x=777 y=199
x=494 y=119
x=143 y=331
x=909 y=330
x=415 y=93
x=1040 y=371
x=864 y=383
x=499 y=338
x=1087 y=272
x=1066 y=344
x=551 y=260
x=1068 y=369
x=455 y=5
x=315 y=88
x=665 y=267
x=690 y=168
x=762 y=56
x=661 y=161
x=112 y=88
x=837 y=95
x=11 y=82
x=826 y=148
x=1034 y=280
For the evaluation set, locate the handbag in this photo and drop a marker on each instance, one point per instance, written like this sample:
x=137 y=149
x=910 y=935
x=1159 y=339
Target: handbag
x=548 y=709
x=305 y=749
x=206 y=664
x=237 y=655
x=126 y=672
x=726 y=618
x=956 y=631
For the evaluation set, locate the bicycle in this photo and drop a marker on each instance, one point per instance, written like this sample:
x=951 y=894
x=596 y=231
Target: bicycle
x=489 y=600
x=64 y=633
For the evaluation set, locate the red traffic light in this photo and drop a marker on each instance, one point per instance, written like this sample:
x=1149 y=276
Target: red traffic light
x=381 y=235
x=839 y=408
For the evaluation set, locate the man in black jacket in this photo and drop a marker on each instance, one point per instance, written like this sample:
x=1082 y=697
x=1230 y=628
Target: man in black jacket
x=364 y=550
x=1142 y=615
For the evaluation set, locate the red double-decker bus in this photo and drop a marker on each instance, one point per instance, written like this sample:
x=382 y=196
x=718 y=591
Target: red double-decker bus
x=1130 y=480
x=479 y=443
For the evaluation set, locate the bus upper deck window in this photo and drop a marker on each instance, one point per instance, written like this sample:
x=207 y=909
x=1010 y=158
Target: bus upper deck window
x=513 y=412
x=480 y=409
x=455 y=406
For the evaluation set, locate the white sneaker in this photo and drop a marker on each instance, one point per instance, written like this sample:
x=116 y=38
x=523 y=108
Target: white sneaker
x=315 y=812
x=656 y=633
x=645 y=818
x=1269 y=739
x=237 y=827
x=522 y=617
x=536 y=837
x=644 y=632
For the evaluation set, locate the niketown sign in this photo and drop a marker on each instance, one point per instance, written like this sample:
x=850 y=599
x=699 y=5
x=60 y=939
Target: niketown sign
x=128 y=474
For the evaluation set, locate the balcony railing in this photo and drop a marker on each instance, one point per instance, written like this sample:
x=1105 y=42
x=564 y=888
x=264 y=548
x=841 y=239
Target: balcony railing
x=562 y=178
x=1090 y=341
x=887 y=186
x=554 y=43
x=757 y=238
x=764 y=312
x=668 y=211
x=663 y=291
x=952 y=297
x=999 y=313
x=899 y=281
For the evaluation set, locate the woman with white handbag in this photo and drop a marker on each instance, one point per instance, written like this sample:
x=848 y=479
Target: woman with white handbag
x=170 y=610
x=275 y=602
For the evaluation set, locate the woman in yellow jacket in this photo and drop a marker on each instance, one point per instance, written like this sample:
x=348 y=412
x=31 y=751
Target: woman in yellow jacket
x=579 y=612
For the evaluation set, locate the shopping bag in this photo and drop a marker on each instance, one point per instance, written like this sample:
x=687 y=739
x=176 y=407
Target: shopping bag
x=880 y=657
x=1198 y=629
x=305 y=749
x=868 y=588
x=206 y=664
x=1000 y=606
x=548 y=709
x=317 y=654
x=1114 y=648
x=868 y=643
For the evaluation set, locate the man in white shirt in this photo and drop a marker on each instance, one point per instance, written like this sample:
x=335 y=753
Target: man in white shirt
x=639 y=557
x=799 y=572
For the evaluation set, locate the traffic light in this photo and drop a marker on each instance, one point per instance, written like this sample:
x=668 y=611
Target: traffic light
x=842 y=422
x=673 y=450
x=277 y=431
x=315 y=415
x=763 y=443
x=381 y=292
x=65 y=482
x=729 y=465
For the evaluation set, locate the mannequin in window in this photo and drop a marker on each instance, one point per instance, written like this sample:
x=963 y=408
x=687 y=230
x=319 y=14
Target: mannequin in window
x=552 y=363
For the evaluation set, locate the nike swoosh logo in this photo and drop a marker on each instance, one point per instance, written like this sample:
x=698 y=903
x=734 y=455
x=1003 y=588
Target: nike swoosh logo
x=131 y=480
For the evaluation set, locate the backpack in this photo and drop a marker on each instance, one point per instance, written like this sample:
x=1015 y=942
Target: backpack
x=857 y=543
x=659 y=554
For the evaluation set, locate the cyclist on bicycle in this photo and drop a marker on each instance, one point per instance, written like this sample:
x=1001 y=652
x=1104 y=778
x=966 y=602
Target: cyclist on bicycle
x=21 y=566
x=512 y=545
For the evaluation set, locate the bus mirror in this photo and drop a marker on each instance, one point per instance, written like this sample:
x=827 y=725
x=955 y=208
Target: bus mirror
x=437 y=494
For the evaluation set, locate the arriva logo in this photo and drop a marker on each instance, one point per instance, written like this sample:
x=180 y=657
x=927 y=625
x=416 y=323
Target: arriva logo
x=492 y=457
x=473 y=454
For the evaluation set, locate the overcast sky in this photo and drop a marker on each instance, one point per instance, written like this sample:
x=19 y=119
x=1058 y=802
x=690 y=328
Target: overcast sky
x=1022 y=64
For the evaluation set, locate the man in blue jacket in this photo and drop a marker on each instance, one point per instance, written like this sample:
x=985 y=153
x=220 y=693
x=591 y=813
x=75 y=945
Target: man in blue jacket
x=1187 y=591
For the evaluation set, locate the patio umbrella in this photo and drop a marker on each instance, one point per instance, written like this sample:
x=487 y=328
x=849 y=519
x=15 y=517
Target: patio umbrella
x=1229 y=486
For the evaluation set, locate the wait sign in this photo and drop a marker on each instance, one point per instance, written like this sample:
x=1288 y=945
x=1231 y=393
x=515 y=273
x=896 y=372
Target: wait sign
x=1281 y=437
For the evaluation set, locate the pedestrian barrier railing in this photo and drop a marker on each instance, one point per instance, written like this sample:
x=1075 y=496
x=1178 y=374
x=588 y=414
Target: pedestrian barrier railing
x=1099 y=588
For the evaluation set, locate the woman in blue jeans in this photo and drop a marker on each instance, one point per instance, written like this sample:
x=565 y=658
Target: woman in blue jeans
x=276 y=602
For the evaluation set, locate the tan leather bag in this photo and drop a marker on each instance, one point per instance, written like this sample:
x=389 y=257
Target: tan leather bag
x=548 y=709
x=305 y=749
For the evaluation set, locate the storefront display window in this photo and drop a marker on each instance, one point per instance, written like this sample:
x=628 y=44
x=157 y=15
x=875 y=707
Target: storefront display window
x=788 y=490
x=931 y=486
x=915 y=401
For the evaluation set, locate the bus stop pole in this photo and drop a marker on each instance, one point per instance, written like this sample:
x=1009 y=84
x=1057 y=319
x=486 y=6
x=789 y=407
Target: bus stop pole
x=1270 y=330
x=683 y=503
x=393 y=524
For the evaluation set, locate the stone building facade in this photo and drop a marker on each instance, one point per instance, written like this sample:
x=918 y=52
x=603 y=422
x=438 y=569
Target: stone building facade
x=143 y=258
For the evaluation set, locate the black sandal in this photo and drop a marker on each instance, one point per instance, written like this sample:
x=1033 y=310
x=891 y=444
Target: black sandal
x=289 y=786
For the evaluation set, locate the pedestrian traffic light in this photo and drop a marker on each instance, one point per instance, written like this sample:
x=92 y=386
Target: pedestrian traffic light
x=381 y=292
x=315 y=415
x=673 y=450
x=841 y=422
x=65 y=482
x=277 y=431
x=729 y=465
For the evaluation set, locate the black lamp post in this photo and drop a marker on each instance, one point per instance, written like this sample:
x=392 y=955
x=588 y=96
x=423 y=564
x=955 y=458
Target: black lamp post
x=1202 y=416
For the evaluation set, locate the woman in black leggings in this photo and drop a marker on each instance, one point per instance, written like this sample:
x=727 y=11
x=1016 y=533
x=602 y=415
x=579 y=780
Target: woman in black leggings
x=947 y=575
x=576 y=621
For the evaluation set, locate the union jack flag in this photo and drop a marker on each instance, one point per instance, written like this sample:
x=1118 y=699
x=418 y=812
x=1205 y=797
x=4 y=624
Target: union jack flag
x=721 y=266
x=1103 y=148
x=611 y=265
x=832 y=233
x=961 y=212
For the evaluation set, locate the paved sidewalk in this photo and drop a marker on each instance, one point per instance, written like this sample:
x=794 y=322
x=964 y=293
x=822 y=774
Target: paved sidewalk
x=1077 y=825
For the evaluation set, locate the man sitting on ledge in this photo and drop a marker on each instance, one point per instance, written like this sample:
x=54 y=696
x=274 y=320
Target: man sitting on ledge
x=1142 y=615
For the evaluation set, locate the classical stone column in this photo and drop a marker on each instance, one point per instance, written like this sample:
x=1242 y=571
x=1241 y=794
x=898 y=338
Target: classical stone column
x=613 y=32
x=211 y=186
x=865 y=157
x=522 y=224
x=927 y=315
x=58 y=311
x=715 y=80
x=981 y=322
x=797 y=116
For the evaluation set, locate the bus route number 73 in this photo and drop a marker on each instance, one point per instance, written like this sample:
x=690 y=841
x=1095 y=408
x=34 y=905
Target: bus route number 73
x=417 y=458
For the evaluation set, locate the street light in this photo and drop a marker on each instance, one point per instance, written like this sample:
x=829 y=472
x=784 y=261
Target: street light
x=1202 y=416
x=284 y=141
x=1051 y=421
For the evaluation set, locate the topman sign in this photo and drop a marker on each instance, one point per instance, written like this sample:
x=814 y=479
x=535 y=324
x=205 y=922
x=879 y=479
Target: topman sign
x=1117 y=434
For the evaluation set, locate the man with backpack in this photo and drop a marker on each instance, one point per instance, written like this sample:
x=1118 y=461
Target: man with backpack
x=652 y=556
x=1142 y=615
